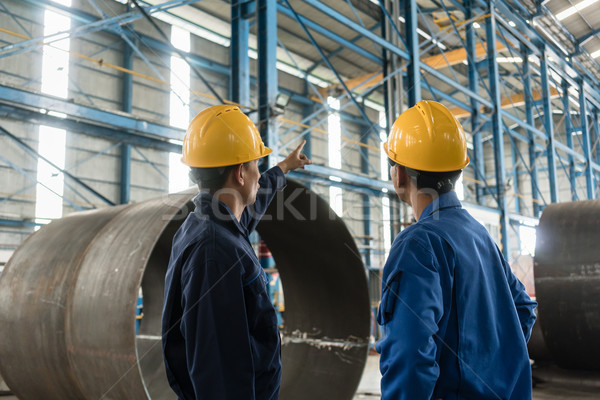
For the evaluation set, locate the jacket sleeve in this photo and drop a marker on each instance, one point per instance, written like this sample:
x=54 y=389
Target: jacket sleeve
x=410 y=310
x=525 y=306
x=215 y=328
x=270 y=182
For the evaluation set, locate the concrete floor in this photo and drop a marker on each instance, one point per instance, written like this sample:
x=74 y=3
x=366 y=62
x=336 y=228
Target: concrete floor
x=556 y=384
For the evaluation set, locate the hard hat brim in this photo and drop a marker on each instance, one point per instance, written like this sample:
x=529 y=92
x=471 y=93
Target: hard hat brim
x=392 y=156
x=242 y=160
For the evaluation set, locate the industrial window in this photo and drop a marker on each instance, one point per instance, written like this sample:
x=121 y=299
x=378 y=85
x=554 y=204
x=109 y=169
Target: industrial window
x=51 y=145
x=179 y=106
x=334 y=128
x=527 y=237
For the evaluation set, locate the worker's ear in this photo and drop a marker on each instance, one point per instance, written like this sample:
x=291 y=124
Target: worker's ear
x=237 y=174
x=402 y=175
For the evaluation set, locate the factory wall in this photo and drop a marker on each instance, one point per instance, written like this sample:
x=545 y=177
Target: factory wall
x=18 y=189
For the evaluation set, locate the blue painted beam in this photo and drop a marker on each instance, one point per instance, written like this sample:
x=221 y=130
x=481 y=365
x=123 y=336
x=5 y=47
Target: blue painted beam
x=85 y=18
x=562 y=66
x=455 y=85
x=478 y=161
x=569 y=134
x=348 y=23
x=366 y=207
x=549 y=127
x=127 y=96
x=529 y=119
x=497 y=126
x=125 y=186
x=332 y=35
x=34 y=153
x=349 y=177
x=266 y=16
x=414 y=62
x=587 y=148
x=18 y=223
x=515 y=176
x=524 y=125
x=597 y=138
x=115 y=119
x=515 y=32
x=448 y=97
x=308 y=109
x=582 y=39
x=360 y=107
x=86 y=128
x=341 y=48
x=107 y=23
x=310 y=178
x=240 y=62
x=194 y=59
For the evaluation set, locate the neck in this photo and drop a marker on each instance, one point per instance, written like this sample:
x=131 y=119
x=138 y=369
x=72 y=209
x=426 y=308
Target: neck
x=233 y=201
x=419 y=201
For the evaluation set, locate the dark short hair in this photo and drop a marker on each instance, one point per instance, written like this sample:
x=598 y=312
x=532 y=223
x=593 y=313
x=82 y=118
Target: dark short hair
x=441 y=182
x=211 y=179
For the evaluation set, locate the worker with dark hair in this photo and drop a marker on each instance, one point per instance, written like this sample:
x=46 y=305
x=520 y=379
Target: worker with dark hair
x=455 y=319
x=219 y=328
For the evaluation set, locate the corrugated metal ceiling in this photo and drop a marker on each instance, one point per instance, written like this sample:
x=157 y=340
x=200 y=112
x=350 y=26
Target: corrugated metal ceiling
x=349 y=64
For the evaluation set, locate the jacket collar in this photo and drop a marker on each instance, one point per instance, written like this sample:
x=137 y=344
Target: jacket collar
x=208 y=207
x=446 y=200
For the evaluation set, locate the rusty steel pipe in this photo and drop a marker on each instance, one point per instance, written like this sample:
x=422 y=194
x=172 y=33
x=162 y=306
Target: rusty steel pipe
x=68 y=299
x=567 y=282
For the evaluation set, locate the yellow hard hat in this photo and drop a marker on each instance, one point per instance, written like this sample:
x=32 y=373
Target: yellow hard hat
x=222 y=135
x=427 y=137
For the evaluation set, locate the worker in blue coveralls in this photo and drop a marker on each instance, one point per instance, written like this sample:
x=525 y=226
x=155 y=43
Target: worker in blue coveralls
x=455 y=319
x=219 y=328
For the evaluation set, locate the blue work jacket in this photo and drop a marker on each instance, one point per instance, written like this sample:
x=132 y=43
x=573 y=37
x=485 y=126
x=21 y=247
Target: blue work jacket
x=219 y=329
x=455 y=319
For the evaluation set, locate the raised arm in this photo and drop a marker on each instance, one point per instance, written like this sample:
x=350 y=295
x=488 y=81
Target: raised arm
x=270 y=182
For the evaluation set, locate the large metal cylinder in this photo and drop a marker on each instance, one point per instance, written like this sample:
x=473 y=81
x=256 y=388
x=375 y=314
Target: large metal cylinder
x=567 y=282
x=68 y=300
x=327 y=321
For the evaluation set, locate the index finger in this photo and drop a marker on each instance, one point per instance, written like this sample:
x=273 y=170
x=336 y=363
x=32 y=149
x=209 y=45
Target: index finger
x=301 y=146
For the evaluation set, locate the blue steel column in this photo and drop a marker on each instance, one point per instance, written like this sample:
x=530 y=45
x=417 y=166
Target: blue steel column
x=127 y=95
x=569 y=134
x=412 y=42
x=364 y=168
x=515 y=177
x=597 y=138
x=240 y=62
x=529 y=116
x=549 y=127
x=497 y=128
x=308 y=109
x=585 y=136
x=266 y=11
x=478 y=161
